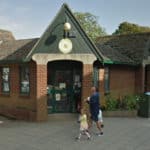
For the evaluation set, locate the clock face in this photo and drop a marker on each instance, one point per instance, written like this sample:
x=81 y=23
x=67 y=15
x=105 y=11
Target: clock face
x=65 y=45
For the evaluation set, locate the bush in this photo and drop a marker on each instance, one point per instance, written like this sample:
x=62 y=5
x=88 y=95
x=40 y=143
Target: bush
x=128 y=102
x=111 y=103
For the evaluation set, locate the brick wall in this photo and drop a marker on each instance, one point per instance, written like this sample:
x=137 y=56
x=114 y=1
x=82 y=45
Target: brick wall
x=87 y=83
x=148 y=79
x=101 y=85
x=87 y=80
x=139 y=79
x=0 y=81
x=34 y=106
x=14 y=104
x=122 y=80
x=41 y=102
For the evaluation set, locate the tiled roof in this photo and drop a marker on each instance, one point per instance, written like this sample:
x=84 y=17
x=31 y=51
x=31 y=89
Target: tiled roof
x=6 y=35
x=123 y=49
x=113 y=56
x=16 y=50
x=133 y=47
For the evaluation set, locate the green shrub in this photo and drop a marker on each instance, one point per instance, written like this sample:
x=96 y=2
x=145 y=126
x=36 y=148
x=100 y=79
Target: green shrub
x=128 y=102
x=111 y=103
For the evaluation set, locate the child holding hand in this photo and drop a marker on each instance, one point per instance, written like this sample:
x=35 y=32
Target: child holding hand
x=83 y=126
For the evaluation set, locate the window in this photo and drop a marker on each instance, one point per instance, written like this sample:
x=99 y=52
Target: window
x=5 y=80
x=107 y=80
x=24 y=80
x=96 y=77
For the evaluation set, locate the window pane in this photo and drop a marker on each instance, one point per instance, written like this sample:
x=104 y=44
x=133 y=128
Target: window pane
x=5 y=87
x=5 y=79
x=96 y=77
x=24 y=75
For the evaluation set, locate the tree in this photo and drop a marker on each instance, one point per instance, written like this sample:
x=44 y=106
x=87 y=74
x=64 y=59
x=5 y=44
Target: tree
x=126 y=28
x=89 y=23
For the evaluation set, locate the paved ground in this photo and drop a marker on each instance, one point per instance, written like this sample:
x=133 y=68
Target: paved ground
x=119 y=134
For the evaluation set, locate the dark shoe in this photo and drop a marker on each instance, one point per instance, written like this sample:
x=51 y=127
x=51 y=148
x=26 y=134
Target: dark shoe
x=89 y=138
x=102 y=125
x=100 y=134
x=77 y=139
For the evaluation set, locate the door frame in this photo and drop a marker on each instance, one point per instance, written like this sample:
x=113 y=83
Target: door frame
x=76 y=69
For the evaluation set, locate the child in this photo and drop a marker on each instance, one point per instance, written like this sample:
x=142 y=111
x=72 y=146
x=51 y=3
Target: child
x=83 y=126
x=100 y=118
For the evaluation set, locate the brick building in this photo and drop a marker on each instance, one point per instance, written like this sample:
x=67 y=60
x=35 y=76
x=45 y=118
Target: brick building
x=51 y=74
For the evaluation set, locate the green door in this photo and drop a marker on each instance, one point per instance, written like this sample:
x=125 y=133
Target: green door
x=62 y=92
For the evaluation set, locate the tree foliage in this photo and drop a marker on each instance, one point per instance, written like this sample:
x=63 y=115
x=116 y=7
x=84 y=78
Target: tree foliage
x=89 y=23
x=127 y=28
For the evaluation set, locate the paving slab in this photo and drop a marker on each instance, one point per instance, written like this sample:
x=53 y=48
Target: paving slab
x=119 y=134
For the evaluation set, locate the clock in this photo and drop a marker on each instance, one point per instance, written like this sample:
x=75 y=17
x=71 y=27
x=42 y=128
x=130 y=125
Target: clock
x=65 y=45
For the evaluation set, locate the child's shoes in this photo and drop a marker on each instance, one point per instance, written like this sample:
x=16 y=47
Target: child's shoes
x=100 y=134
x=102 y=125
x=89 y=139
x=77 y=139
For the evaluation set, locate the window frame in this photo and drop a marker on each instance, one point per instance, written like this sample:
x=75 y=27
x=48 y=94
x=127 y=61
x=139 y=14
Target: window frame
x=20 y=79
x=107 y=80
x=96 y=76
x=2 y=81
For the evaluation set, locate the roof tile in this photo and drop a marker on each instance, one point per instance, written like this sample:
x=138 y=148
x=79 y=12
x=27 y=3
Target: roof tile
x=135 y=47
